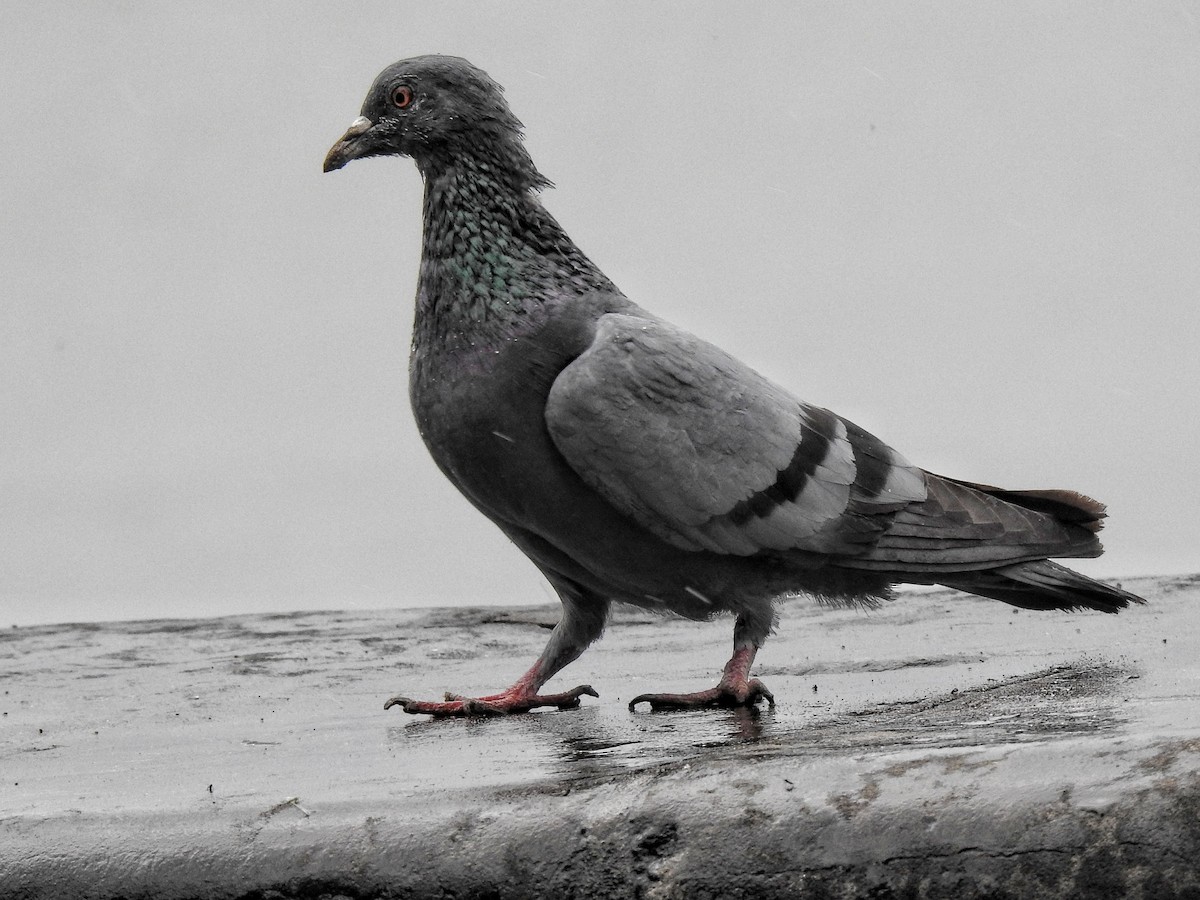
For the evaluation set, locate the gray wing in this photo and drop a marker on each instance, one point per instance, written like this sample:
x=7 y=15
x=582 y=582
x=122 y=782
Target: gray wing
x=707 y=454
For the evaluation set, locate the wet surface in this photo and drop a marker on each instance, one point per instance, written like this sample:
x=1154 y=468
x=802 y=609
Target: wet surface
x=936 y=670
x=233 y=726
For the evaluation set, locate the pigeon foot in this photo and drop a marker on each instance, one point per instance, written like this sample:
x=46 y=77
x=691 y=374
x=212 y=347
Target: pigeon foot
x=514 y=700
x=723 y=696
x=735 y=689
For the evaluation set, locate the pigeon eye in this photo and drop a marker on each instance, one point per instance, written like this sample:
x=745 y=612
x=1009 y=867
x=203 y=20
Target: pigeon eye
x=402 y=96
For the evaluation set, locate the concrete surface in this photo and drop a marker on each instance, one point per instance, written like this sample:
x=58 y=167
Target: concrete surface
x=942 y=746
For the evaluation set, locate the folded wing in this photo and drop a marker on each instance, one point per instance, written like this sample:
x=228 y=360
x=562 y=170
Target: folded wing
x=707 y=454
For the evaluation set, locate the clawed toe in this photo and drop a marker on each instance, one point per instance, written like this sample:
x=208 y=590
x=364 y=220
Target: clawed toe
x=758 y=691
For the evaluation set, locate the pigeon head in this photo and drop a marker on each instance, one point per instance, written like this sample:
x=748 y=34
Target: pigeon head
x=441 y=111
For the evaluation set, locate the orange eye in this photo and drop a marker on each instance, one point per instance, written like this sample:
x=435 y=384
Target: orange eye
x=402 y=96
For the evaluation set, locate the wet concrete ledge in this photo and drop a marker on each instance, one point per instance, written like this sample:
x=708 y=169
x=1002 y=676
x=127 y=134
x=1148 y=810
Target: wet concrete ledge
x=939 y=747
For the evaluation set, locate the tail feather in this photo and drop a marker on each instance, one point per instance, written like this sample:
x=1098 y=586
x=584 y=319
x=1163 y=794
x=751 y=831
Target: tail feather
x=1065 y=506
x=996 y=543
x=962 y=526
x=1042 y=584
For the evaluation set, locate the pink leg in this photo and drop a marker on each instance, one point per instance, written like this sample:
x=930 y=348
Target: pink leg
x=736 y=688
x=582 y=621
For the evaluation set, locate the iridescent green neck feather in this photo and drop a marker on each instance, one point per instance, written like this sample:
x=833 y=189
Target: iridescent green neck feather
x=492 y=254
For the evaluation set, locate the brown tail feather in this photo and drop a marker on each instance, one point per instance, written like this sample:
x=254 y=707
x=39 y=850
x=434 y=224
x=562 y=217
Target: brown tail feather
x=1066 y=506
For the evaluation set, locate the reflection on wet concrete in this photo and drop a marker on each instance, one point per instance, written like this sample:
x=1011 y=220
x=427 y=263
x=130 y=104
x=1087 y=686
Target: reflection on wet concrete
x=602 y=741
x=587 y=746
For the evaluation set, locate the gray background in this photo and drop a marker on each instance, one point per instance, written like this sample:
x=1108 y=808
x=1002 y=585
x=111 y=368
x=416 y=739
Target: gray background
x=974 y=230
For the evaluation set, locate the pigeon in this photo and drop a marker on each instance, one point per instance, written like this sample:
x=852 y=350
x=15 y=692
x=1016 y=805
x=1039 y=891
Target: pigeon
x=634 y=462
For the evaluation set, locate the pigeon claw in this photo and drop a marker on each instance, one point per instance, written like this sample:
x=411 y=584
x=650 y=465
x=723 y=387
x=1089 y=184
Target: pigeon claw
x=513 y=701
x=723 y=696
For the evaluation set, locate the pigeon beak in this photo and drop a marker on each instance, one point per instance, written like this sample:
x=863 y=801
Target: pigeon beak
x=348 y=146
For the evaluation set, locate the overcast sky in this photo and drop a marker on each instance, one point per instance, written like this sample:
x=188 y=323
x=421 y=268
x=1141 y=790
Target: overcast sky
x=973 y=229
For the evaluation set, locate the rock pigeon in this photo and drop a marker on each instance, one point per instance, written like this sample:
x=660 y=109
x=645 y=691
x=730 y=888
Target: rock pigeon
x=637 y=463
